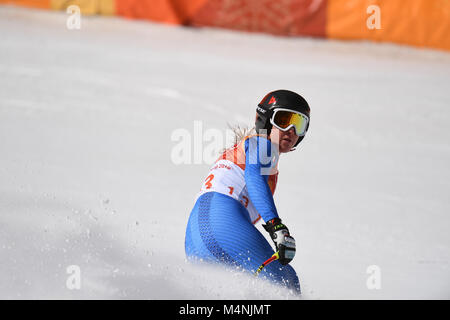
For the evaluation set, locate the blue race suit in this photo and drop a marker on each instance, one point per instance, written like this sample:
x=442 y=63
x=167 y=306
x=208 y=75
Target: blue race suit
x=220 y=229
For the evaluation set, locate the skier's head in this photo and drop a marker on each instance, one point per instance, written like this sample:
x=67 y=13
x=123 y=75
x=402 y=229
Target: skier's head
x=284 y=116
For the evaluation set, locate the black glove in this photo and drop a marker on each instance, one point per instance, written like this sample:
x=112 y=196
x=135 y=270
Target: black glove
x=284 y=243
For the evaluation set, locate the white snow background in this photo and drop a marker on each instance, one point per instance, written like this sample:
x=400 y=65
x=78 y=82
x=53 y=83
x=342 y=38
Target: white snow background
x=87 y=178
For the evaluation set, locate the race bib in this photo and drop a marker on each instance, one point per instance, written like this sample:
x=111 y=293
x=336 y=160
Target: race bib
x=228 y=178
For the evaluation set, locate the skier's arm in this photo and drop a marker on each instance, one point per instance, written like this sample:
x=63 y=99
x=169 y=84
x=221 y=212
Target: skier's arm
x=261 y=196
x=257 y=183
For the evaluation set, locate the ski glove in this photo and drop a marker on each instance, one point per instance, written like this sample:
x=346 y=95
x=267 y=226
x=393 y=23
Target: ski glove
x=284 y=243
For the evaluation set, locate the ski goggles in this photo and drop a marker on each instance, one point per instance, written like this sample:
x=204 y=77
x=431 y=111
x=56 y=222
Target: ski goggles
x=284 y=119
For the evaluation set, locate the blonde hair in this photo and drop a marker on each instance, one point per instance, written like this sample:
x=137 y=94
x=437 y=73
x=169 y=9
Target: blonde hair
x=241 y=132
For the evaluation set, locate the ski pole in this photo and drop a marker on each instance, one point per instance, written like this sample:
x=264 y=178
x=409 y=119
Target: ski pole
x=274 y=257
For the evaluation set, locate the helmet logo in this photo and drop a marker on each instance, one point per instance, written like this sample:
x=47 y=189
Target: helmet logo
x=272 y=100
x=263 y=111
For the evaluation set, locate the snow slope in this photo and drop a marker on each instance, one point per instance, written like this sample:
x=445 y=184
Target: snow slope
x=87 y=178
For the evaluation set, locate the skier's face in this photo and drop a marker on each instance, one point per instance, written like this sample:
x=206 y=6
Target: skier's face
x=286 y=139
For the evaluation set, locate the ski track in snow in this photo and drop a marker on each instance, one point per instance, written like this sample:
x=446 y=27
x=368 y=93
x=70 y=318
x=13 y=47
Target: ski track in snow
x=86 y=176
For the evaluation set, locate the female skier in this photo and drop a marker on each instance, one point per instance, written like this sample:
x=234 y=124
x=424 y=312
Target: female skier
x=239 y=191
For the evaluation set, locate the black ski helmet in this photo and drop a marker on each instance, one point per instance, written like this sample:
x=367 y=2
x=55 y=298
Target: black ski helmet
x=280 y=99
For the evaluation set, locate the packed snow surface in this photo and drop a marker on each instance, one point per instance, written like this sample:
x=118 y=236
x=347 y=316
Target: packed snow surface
x=88 y=177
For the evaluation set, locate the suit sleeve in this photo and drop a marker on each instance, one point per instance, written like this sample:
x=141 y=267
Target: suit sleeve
x=257 y=166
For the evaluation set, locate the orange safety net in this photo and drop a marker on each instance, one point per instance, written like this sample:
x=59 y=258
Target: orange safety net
x=414 y=22
x=284 y=17
x=41 y=4
x=166 y=11
x=87 y=7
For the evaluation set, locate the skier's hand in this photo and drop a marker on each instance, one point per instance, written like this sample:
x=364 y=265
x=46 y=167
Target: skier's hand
x=284 y=243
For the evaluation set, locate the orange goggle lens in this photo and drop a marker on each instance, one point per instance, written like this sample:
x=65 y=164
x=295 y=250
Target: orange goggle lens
x=284 y=120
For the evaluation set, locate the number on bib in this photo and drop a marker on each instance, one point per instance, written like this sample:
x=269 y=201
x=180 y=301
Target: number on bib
x=245 y=203
x=208 y=181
